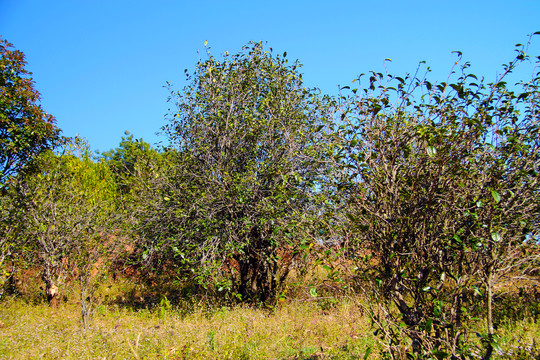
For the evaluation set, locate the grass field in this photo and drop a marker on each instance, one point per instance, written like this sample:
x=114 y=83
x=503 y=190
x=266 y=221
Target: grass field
x=295 y=330
x=121 y=328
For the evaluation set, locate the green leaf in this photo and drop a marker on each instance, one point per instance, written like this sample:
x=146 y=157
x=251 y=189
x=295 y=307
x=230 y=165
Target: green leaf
x=368 y=352
x=496 y=236
x=429 y=325
x=496 y=196
x=440 y=354
x=431 y=151
x=313 y=292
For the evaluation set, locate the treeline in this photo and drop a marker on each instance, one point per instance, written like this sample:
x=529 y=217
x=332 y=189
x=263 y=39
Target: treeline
x=421 y=198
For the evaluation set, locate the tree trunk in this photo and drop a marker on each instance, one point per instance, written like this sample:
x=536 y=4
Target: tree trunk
x=85 y=305
x=51 y=290
x=489 y=300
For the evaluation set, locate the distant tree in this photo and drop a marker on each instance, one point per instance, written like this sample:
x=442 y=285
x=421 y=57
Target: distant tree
x=69 y=212
x=442 y=189
x=127 y=159
x=247 y=142
x=25 y=128
x=134 y=164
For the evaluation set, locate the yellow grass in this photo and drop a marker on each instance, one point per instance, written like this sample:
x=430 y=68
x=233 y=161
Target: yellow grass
x=295 y=330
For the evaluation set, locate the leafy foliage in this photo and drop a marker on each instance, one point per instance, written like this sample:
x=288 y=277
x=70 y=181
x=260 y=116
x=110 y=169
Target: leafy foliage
x=69 y=209
x=127 y=160
x=25 y=128
x=234 y=206
x=442 y=185
x=25 y=131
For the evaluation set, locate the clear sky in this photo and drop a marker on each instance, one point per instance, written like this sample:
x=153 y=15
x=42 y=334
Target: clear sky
x=101 y=65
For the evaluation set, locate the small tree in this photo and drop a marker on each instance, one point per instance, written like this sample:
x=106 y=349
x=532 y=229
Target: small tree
x=69 y=212
x=443 y=198
x=247 y=144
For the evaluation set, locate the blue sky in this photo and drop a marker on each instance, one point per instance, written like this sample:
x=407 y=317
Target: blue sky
x=101 y=65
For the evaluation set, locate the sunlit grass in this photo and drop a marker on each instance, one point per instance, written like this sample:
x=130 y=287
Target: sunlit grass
x=294 y=330
x=131 y=322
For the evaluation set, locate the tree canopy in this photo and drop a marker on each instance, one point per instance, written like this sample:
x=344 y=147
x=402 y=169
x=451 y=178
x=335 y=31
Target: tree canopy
x=248 y=141
x=441 y=184
x=25 y=128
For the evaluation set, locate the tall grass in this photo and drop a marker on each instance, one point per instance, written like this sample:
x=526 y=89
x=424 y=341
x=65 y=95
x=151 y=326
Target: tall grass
x=294 y=330
x=133 y=321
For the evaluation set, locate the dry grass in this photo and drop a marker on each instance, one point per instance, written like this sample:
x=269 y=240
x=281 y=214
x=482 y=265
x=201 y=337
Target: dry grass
x=131 y=323
x=295 y=330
